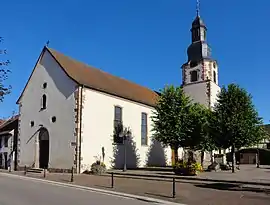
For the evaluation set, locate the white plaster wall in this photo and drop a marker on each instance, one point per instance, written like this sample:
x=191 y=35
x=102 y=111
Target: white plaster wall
x=60 y=103
x=197 y=92
x=97 y=125
x=215 y=89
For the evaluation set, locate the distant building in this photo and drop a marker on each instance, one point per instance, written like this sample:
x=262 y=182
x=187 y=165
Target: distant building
x=248 y=155
x=8 y=143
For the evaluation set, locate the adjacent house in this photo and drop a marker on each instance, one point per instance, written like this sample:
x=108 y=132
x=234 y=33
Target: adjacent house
x=8 y=143
x=68 y=112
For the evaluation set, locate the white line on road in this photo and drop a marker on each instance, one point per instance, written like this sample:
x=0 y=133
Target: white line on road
x=102 y=191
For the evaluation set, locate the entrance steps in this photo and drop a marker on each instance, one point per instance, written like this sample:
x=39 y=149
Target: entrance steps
x=35 y=170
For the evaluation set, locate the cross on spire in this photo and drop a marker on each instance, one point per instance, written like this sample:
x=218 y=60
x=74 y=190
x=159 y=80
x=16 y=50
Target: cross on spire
x=198 y=8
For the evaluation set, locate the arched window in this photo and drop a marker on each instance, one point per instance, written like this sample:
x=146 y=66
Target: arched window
x=215 y=76
x=193 y=76
x=44 y=101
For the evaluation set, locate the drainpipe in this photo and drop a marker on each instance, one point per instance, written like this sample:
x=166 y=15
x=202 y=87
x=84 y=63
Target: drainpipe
x=80 y=134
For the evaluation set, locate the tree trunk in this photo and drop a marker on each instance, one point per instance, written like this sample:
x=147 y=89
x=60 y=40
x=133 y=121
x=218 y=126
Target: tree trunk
x=233 y=158
x=202 y=157
x=175 y=149
x=258 y=158
x=211 y=156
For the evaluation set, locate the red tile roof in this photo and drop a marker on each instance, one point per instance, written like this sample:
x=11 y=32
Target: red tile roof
x=99 y=80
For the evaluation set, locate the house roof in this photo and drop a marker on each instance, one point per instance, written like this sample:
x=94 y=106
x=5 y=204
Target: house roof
x=10 y=120
x=102 y=81
x=1 y=121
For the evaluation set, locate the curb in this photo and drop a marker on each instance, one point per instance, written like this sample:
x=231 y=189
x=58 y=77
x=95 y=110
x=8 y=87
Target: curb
x=108 y=192
x=190 y=178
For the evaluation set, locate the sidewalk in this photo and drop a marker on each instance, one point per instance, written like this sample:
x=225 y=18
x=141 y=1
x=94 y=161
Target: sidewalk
x=191 y=193
x=247 y=175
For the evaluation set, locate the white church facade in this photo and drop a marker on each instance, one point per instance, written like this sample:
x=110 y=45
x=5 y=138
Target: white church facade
x=68 y=111
x=67 y=116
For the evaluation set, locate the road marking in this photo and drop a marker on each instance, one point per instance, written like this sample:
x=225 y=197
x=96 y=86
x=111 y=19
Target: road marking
x=101 y=191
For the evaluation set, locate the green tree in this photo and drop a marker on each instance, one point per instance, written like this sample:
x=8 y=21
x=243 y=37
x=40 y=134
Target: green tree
x=4 y=71
x=172 y=118
x=201 y=137
x=236 y=121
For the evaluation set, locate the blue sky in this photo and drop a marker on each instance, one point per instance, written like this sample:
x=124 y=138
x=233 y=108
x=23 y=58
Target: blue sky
x=144 y=41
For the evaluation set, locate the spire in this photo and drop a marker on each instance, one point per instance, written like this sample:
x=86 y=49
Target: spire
x=198 y=7
x=199 y=48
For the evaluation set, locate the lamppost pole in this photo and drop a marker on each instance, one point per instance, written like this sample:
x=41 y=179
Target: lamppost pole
x=126 y=136
x=125 y=154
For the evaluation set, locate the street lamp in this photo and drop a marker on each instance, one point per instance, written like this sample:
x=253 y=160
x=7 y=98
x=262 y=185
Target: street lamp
x=126 y=135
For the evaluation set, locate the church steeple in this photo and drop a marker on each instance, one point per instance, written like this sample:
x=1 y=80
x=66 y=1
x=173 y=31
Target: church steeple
x=198 y=49
x=198 y=7
x=198 y=30
x=200 y=72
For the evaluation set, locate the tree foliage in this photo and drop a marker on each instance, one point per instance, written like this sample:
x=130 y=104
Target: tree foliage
x=172 y=118
x=236 y=122
x=201 y=136
x=4 y=71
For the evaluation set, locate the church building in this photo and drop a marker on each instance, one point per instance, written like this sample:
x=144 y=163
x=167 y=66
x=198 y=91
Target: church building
x=68 y=111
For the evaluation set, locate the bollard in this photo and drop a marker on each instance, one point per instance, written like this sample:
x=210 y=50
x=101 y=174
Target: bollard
x=25 y=170
x=72 y=177
x=112 y=181
x=173 y=191
x=44 y=173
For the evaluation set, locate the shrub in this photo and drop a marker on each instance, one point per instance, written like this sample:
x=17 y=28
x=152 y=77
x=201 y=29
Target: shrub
x=98 y=168
x=184 y=168
x=180 y=164
x=197 y=167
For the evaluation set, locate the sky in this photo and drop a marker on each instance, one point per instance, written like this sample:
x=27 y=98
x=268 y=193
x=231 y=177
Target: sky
x=144 y=41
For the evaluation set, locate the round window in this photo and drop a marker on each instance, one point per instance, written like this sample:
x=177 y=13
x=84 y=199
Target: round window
x=53 y=119
x=44 y=85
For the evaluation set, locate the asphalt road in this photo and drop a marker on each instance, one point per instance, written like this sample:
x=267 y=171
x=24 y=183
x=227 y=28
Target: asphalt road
x=15 y=191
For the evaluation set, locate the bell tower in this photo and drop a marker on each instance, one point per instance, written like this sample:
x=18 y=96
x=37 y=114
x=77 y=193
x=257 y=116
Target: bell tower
x=200 y=72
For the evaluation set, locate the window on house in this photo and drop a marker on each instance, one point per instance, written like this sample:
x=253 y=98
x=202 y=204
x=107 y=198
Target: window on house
x=144 y=140
x=32 y=123
x=6 y=141
x=215 y=76
x=193 y=76
x=44 y=102
x=117 y=124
